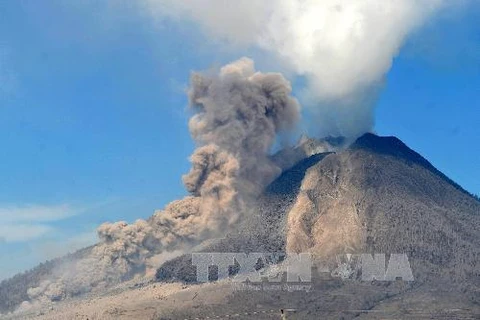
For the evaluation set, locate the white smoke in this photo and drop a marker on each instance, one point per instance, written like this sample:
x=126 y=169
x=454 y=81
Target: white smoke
x=343 y=48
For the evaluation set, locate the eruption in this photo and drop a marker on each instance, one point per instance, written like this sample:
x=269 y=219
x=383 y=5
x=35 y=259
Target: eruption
x=237 y=115
x=342 y=48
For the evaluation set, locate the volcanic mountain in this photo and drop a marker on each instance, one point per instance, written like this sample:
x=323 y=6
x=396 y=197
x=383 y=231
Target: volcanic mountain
x=375 y=196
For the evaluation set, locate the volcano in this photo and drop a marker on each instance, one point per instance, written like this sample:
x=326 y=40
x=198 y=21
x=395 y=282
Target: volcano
x=375 y=196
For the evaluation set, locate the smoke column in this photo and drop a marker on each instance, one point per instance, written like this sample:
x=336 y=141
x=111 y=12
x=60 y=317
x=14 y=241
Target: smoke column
x=237 y=114
x=343 y=48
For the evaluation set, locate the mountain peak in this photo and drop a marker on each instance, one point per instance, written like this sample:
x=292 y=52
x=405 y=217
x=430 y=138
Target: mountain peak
x=386 y=145
x=393 y=146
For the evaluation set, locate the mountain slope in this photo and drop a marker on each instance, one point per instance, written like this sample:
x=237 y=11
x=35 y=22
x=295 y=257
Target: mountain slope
x=377 y=196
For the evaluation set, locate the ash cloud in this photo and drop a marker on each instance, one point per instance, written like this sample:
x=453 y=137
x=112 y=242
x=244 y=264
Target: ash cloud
x=343 y=48
x=237 y=114
x=241 y=111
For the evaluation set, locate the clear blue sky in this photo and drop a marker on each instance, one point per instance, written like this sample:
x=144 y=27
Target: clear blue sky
x=93 y=125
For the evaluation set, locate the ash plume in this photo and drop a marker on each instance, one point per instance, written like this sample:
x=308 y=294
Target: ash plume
x=241 y=111
x=237 y=115
x=343 y=48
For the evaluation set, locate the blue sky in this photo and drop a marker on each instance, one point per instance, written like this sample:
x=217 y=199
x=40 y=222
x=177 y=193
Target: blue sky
x=93 y=126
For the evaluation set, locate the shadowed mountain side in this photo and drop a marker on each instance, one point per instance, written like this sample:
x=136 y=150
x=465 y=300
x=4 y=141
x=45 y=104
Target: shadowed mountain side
x=288 y=183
